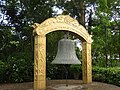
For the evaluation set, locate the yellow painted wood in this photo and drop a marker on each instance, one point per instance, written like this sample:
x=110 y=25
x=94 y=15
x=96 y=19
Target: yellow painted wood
x=86 y=63
x=62 y=22
x=66 y=23
x=40 y=63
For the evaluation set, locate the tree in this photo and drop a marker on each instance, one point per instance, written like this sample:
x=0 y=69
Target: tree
x=103 y=30
x=16 y=49
x=100 y=18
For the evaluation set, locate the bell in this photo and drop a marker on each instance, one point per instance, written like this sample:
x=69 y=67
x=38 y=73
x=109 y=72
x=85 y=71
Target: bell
x=66 y=53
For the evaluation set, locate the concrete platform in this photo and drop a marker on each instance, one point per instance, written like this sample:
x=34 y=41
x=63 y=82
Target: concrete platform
x=61 y=85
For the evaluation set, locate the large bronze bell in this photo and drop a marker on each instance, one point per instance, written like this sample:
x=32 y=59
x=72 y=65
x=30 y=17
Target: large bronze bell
x=66 y=53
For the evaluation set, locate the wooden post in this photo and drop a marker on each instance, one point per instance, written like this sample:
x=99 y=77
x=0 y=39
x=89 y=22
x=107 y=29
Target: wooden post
x=40 y=62
x=86 y=63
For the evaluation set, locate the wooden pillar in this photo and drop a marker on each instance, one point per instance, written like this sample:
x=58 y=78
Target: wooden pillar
x=86 y=63
x=40 y=62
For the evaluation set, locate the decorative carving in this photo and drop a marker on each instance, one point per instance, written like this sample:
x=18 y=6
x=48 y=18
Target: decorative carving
x=35 y=25
x=61 y=22
x=59 y=19
x=39 y=62
x=86 y=62
x=64 y=22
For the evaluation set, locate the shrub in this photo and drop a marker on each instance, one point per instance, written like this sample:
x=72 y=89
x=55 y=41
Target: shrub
x=16 y=68
x=76 y=70
x=108 y=75
x=3 y=68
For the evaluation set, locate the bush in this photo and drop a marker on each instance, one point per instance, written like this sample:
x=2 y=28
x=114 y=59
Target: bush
x=3 y=68
x=76 y=70
x=17 y=68
x=107 y=75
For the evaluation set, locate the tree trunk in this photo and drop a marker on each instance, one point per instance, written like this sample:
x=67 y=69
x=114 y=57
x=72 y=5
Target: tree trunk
x=82 y=13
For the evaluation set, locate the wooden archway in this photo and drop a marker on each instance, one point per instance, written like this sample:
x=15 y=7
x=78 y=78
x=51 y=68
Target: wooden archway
x=61 y=22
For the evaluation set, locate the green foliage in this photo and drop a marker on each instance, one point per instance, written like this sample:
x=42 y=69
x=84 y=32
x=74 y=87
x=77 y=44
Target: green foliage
x=52 y=45
x=18 y=68
x=108 y=75
x=103 y=5
x=76 y=70
x=52 y=42
x=16 y=37
x=3 y=68
x=104 y=34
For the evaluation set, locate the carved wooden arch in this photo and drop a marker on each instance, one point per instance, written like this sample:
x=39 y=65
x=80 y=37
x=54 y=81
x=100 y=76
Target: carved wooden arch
x=61 y=22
